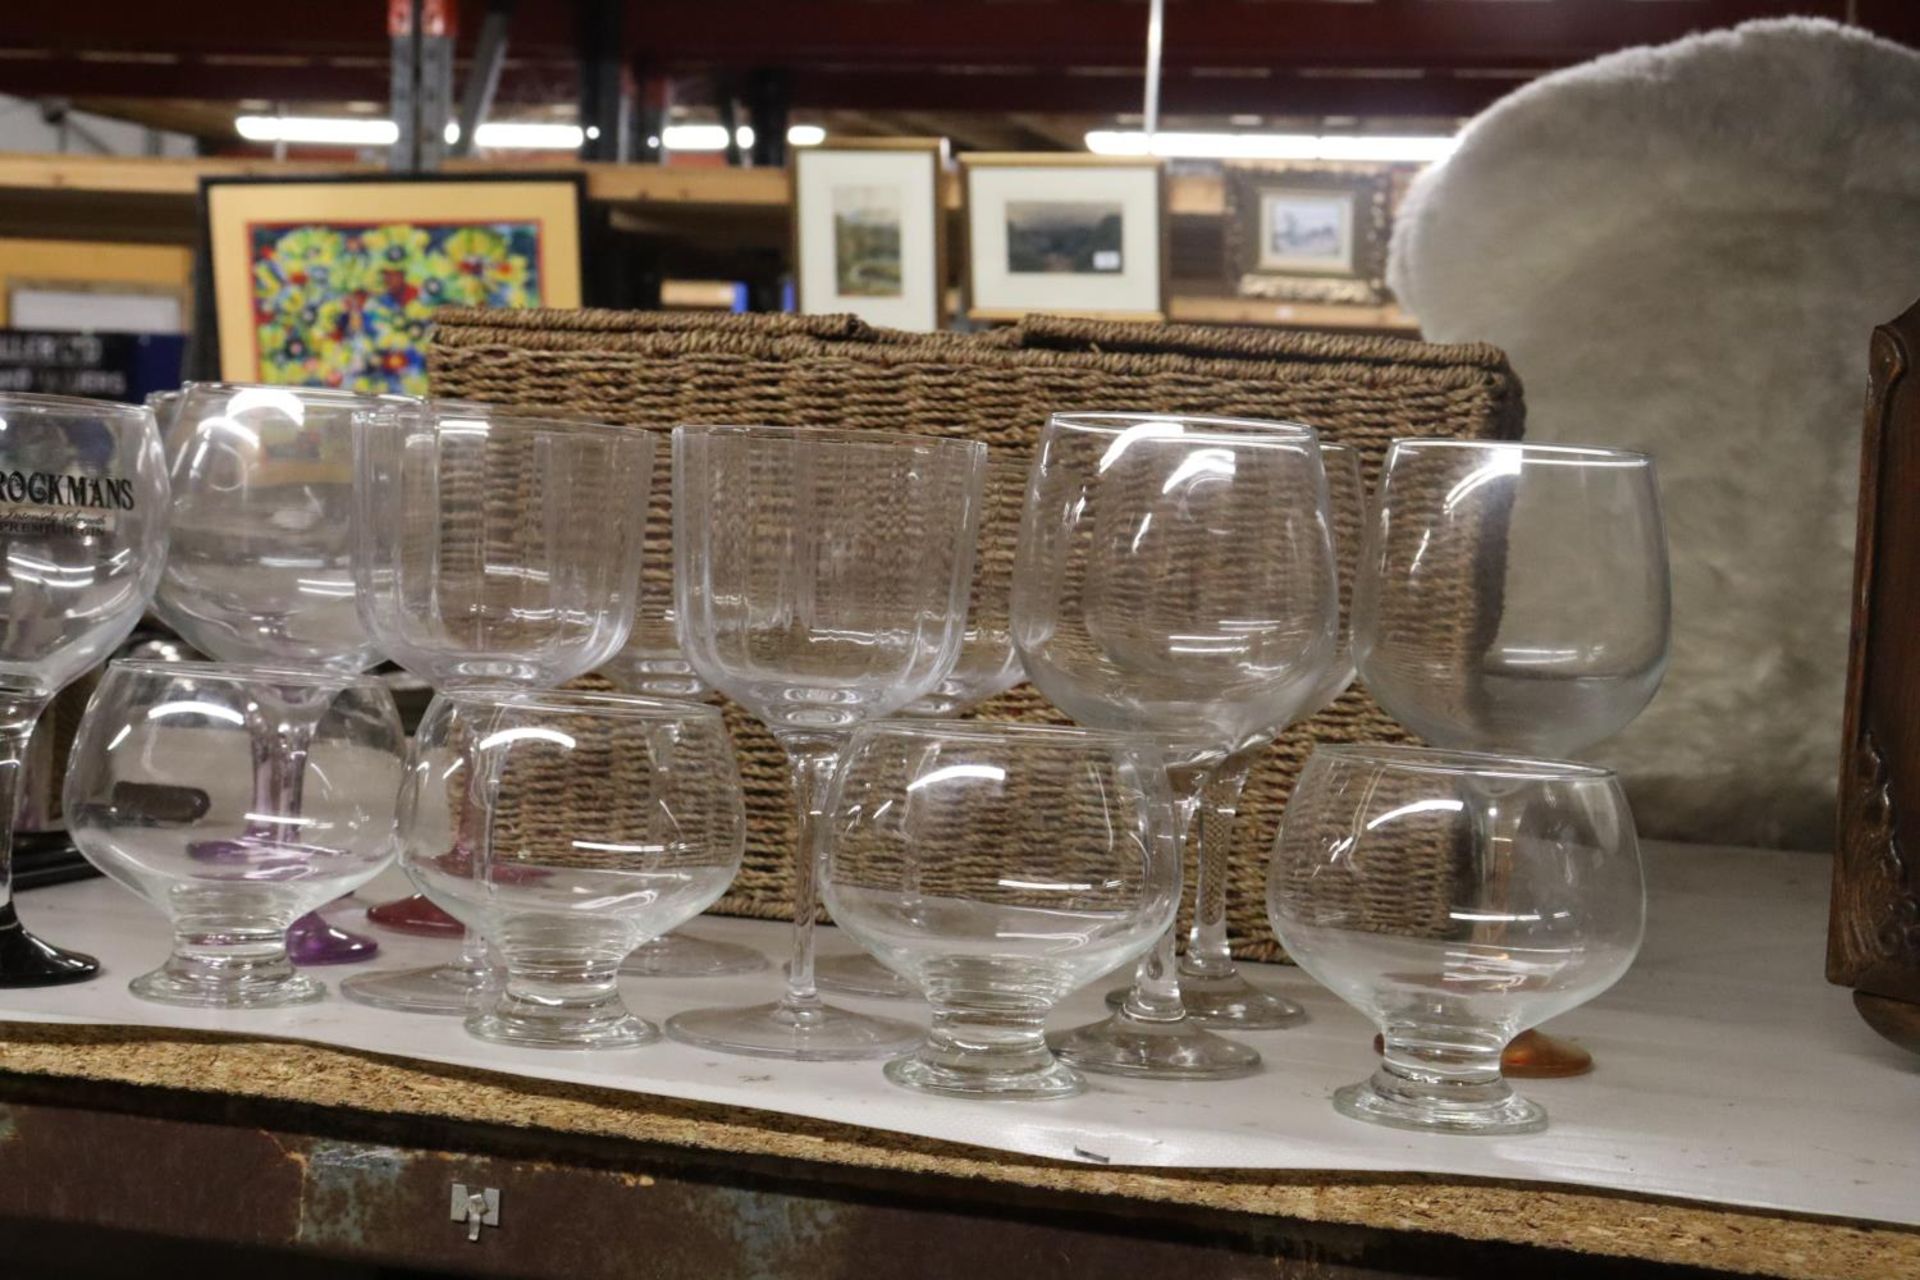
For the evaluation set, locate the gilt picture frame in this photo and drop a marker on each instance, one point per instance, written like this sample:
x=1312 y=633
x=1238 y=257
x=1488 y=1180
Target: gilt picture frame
x=333 y=281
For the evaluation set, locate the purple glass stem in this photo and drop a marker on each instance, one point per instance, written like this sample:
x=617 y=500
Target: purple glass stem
x=281 y=733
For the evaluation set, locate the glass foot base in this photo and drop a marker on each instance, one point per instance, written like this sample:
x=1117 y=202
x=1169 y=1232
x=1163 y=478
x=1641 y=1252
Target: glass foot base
x=861 y=975
x=311 y=940
x=1054 y=1080
x=814 y=1033
x=1228 y=1004
x=1181 y=1049
x=680 y=955
x=417 y=916
x=440 y=988
x=622 y=1031
x=1509 y=1114
x=268 y=987
x=25 y=961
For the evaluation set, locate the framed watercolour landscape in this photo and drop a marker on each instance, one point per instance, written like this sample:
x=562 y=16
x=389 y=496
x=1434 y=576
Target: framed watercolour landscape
x=869 y=231
x=1065 y=234
x=333 y=282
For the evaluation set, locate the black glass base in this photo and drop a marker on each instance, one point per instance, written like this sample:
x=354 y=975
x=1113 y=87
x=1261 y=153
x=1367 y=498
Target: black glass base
x=25 y=961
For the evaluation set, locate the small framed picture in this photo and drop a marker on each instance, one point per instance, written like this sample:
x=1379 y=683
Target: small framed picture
x=869 y=230
x=333 y=282
x=1079 y=235
x=1308 y=235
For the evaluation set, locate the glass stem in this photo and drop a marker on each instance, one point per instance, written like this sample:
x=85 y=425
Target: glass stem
x=1211 y=834
x=1451 y=1065
x=473 y=839
x=1156 y=983
x=282 y=738
x=810 y=764
x=980 y=1041
x=18 y=712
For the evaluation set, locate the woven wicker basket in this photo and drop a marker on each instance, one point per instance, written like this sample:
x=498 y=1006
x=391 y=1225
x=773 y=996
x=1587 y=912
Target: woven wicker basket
x=656 y=370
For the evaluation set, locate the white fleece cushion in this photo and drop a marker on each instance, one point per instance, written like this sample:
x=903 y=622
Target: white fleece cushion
x=1684 y=249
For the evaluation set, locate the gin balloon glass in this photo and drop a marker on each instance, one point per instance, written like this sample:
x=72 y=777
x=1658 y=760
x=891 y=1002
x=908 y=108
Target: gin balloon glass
x=1175 y=577
x=821 y=577
x=83 y=534
x=260 y=571
x=987 y=667
x=1514 y=598
x=1212 y=987
x=162 y=766
x=493 y=551
x=1456 y=899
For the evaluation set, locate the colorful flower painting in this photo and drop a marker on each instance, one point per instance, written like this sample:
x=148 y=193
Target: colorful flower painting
x=349 y=304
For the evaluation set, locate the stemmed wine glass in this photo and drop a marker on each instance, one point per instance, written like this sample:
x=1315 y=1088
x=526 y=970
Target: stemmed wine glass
x=493 y=550
x=651 y=665
x=1211 y=986
x=83 y=534
x=260 y=572
x=1514 y=598
x=1455 y=898
x=987 y=667
x=821 y=578
x=1175 y=576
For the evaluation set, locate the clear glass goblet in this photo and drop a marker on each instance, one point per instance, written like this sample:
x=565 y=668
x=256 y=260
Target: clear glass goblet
x=999 y=868
x=987 y=666
x=1175 y=577
x=161 y=769
x=597 y=821
x=821 y=579
x=1514 y=598
x=260 y=570
x=651 y=665
x=1456 y=899
x=1216 y=994
x=83 y=534
x=492 y=550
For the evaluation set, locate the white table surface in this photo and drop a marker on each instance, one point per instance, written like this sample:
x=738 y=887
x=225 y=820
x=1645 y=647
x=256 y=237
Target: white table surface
x=1729 y=1070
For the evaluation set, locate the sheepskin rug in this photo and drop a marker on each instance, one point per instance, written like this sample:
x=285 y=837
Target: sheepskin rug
x=1684 y=250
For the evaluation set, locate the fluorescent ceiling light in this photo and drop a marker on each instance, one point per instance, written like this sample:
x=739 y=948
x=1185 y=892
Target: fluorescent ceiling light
x=495 y=135
x=713 y=137
x=700 y=137
x=507 y=135
x=1268 y=146
x=357 y=131
x=344 y=131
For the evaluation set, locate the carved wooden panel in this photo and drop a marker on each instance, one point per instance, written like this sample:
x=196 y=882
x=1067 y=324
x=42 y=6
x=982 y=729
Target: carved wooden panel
x=1873 y=938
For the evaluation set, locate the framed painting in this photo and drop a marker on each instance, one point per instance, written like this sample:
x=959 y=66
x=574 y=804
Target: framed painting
x=333 y=282
x=1308 y=235
x=869 y=231
x=1066 y=235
